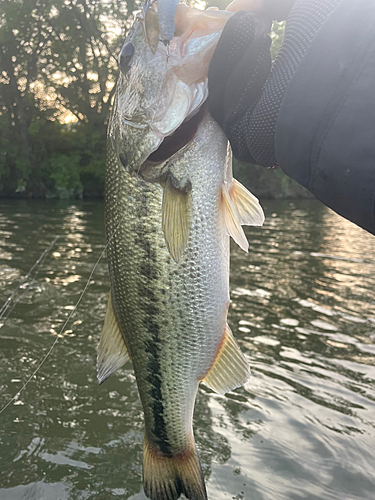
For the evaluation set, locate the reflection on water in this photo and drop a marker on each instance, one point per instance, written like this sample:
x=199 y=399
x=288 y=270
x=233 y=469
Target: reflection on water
x=302 y=309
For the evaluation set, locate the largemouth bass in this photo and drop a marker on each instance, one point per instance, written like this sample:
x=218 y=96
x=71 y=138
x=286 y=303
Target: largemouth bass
x=171 y=205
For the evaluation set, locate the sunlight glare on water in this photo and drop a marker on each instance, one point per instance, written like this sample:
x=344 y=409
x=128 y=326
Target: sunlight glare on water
x=303 y=427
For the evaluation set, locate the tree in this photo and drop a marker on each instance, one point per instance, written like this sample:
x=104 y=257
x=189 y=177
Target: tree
x=58 y=64
x=57 y=60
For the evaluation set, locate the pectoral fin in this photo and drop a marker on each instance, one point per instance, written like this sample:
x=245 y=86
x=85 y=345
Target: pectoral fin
x=176 y=218
x=112 y=352
x=240 y=207
x=249 y=211
x=230 y=369
x=231 y=219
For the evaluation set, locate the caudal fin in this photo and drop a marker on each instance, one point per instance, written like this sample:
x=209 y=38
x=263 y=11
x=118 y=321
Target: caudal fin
x=165 y=478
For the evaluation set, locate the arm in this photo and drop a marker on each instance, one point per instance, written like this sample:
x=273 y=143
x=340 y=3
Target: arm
x=312 y=114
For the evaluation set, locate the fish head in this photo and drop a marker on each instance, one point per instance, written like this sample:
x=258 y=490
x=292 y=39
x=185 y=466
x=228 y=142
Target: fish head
x=161 y=91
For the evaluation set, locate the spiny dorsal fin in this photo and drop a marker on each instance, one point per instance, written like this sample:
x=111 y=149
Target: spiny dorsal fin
x=231 y=219
x=112 y=352
x=230 y=368
x=176 y=218
x=247 y=206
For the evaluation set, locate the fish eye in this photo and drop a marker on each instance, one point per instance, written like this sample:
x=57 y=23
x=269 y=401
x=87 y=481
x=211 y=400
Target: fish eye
x=126 y=56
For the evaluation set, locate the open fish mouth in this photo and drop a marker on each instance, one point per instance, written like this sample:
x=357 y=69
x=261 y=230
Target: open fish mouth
x=162 y=93
x=180 y=137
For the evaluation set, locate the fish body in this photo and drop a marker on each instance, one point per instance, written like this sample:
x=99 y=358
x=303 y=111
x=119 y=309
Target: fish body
x=162 y=306
x=171 y=204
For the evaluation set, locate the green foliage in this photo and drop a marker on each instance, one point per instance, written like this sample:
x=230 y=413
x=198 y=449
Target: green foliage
x=277 y=36
x=58 y=59
x=64 y=170
x=268 y=183
x=222 y=4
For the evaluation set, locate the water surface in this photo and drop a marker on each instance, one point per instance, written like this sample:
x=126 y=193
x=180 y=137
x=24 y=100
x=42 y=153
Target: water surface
x=303 y=310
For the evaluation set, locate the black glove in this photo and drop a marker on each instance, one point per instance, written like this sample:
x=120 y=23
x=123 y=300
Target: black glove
x=239 y=68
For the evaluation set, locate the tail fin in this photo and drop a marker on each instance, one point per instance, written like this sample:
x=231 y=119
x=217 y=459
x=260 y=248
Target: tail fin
x=165 y=478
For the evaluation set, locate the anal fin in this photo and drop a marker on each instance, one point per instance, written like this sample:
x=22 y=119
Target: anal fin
x=112 y=352
x=230 y=368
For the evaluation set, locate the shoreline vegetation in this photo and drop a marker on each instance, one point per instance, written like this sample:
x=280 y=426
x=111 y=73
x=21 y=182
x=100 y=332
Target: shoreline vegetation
x=265 y=184
x=58 y=71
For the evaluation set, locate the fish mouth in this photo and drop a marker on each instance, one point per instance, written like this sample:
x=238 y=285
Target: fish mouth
x=180 y=137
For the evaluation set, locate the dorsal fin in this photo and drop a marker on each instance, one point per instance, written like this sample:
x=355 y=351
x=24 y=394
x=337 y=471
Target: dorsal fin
x=112 y=352
x=230 y=368
x=176 y=218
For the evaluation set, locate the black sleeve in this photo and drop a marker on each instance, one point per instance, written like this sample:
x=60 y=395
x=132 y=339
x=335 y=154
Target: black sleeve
x=251 y=130
x=238 y=70
x=315 y=115
x=325 y=129
x=278 y=10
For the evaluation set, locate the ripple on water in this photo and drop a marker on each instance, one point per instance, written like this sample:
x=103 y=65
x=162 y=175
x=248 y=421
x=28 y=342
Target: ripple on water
x=303 y=427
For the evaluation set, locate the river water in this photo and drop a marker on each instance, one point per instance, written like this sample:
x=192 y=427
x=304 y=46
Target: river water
x=303 y=311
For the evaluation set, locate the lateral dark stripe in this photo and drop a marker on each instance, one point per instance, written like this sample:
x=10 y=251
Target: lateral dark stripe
x=153 y=347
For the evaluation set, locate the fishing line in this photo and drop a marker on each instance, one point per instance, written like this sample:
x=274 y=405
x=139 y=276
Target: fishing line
x=8 y=305
x=64 y=325
x=40 y=261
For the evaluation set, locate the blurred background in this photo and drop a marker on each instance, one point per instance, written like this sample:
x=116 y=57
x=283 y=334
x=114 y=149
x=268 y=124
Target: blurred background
x=58 y=62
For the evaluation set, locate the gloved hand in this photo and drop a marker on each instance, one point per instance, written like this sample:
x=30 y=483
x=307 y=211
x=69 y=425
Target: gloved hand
x=239 y=68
